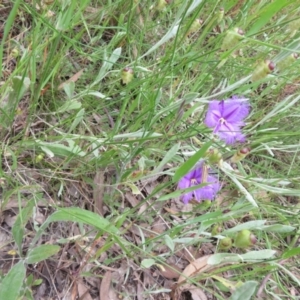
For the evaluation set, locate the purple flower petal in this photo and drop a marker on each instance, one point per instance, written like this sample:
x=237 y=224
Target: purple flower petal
x=194 y=177
x=232 y=137
x=226 y=117
x=236 y=110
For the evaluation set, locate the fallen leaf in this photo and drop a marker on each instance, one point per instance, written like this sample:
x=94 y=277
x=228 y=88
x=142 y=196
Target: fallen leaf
x=83 y=292
x=171 y=271
x=106 y=292
x=105 y=285
x=197 y=294
x=196 y=267
x=98 y=192
x=74 y=78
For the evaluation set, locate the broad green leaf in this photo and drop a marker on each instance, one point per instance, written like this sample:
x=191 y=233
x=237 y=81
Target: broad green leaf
x=69 y=88
x=250 y=256
x=258 y=255
x=41 y=253
x=20 y=85
x=147 y=263
x=69 y=105
x=277 y=228
x=248 y=225
x=266 y=14
x=245 y=291
x=12 y=283
x=191 y=162
x=76 y=214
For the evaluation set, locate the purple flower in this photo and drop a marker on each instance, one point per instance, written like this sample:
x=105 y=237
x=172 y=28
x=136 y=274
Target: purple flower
x=226 y=117
x=197 y=176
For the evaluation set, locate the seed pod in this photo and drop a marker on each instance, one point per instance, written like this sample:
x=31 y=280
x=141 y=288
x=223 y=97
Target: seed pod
x=286 y=62
x=245 y=239
x=216 y=229
x=225 y=244
x=232 y=38
x=240 y=155
x=262 y=70
x=126 y=75
x=39 y=158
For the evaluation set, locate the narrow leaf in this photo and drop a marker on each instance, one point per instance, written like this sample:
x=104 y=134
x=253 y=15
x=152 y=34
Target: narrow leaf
x=169 y=155
x=191 y=162
x=41 y=253
x=76 y=214
x=291 y=253
x=266 y=14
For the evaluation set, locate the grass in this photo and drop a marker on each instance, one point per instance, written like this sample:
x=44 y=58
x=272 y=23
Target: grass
x=90 y=163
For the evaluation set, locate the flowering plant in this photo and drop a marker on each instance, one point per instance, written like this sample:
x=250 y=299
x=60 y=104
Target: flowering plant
x=227 y=118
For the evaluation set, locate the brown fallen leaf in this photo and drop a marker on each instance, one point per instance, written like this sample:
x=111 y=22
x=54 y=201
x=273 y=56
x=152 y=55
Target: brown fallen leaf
x=197 y=294
x=170 y=272
x=105 y=285
x=196 y=267
x=83 y=292
x=98 y=192
x=74 y=78
x=106 y=292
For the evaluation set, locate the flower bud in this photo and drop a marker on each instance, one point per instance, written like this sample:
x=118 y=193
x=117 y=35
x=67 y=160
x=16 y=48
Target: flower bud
x=216 y=229
x=293 y=27
x=225 y=244
x=39 y=158
x=48 y=2
x=196 y=25
x=232 y=38
x=15 y=53
x=240 y=155
x=161 y=4
x=205 y=204
x=220 y=14
x=244 y=239
x=262 y=70
x=214 y=156
x=126 y=75
x=286 y=62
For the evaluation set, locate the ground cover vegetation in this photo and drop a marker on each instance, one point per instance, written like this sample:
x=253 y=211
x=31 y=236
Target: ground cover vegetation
x=149 y=149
